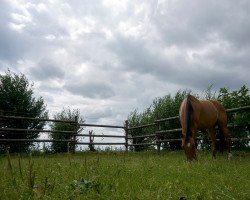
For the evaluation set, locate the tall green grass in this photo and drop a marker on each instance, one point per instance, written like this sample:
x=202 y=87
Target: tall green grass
x=145 y=175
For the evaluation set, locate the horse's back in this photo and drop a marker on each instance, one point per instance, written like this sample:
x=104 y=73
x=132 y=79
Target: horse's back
x=222 y=115
x=218 y=105
x=208 y=114
x=205 y=113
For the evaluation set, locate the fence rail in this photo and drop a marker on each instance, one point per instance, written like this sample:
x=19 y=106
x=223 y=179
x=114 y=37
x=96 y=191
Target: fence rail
x=36 y=119
x=101 y=126
x=30 y=131
x=157 y=133
x=112 y=136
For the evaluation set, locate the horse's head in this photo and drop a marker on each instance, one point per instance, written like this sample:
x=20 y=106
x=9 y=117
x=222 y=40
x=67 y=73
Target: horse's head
x=189 y=149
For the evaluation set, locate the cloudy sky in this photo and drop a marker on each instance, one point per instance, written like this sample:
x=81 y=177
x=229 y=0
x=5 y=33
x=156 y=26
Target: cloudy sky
x=109 y=57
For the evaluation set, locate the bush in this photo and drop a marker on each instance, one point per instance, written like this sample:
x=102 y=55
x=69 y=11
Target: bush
x=65 y=115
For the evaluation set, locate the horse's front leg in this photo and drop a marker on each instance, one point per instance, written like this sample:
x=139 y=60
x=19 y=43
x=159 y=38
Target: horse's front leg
x=212 y=136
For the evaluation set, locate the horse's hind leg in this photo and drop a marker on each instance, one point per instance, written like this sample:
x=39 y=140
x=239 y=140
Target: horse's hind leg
x=212 y=136
x=225 y=132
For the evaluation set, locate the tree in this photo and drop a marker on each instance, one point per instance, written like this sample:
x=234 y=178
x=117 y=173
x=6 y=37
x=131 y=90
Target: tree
x=138 y=119
x=162 y=107
x=16 y=98
x=235 y=99
x=65 y=115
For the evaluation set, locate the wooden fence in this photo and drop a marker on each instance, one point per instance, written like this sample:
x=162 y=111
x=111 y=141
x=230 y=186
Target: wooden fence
x=127 y=138
x=74 y=134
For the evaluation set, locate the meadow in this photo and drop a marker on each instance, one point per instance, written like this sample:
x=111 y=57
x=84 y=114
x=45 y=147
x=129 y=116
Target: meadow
x=120 y=175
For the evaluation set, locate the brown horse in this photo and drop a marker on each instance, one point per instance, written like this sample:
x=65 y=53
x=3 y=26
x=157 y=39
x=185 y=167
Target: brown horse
x=202 y=115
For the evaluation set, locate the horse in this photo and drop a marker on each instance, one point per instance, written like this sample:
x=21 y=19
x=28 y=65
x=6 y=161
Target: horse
x=197 y=115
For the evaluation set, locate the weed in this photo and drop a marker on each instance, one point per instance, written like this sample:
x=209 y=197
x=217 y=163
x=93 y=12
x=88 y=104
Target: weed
x=31 y=178
x=20 y=167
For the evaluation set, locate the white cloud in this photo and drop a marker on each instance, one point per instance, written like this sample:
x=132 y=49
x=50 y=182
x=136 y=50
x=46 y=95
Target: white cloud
x=116 y=6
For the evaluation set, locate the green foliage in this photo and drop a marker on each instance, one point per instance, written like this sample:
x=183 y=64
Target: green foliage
x=136 y=119
x=65 y=115
x=166 y=107
x=163 y=107
x=235 y=99
x=16 y=98
x=144 y=175
x=82 y=186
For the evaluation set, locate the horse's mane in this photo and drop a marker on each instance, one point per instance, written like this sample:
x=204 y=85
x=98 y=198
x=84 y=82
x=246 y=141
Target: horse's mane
x=189 y=110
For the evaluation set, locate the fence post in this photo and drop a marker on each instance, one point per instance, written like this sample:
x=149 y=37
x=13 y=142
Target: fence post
x=126 y=135
x=158 y=138
x=74 y=137
x=91 y=141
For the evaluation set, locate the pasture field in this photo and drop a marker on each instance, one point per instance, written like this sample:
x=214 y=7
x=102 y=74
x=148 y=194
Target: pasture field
x=119 y=175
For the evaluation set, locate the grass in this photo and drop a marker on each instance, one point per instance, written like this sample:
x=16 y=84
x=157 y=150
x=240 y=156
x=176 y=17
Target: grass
x=144 y=175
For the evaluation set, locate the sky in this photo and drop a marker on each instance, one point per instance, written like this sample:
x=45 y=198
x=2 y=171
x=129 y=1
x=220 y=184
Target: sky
x=110 y=57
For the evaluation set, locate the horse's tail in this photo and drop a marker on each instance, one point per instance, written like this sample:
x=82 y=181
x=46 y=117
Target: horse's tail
x=189 y=110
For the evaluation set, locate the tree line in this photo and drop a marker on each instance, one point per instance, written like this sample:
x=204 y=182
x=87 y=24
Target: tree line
x=168 y=106
x=17 y=99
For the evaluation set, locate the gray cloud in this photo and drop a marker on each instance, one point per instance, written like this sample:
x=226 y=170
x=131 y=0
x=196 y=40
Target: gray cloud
x=95 y=89
x=119 y=55
x=47 y=69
